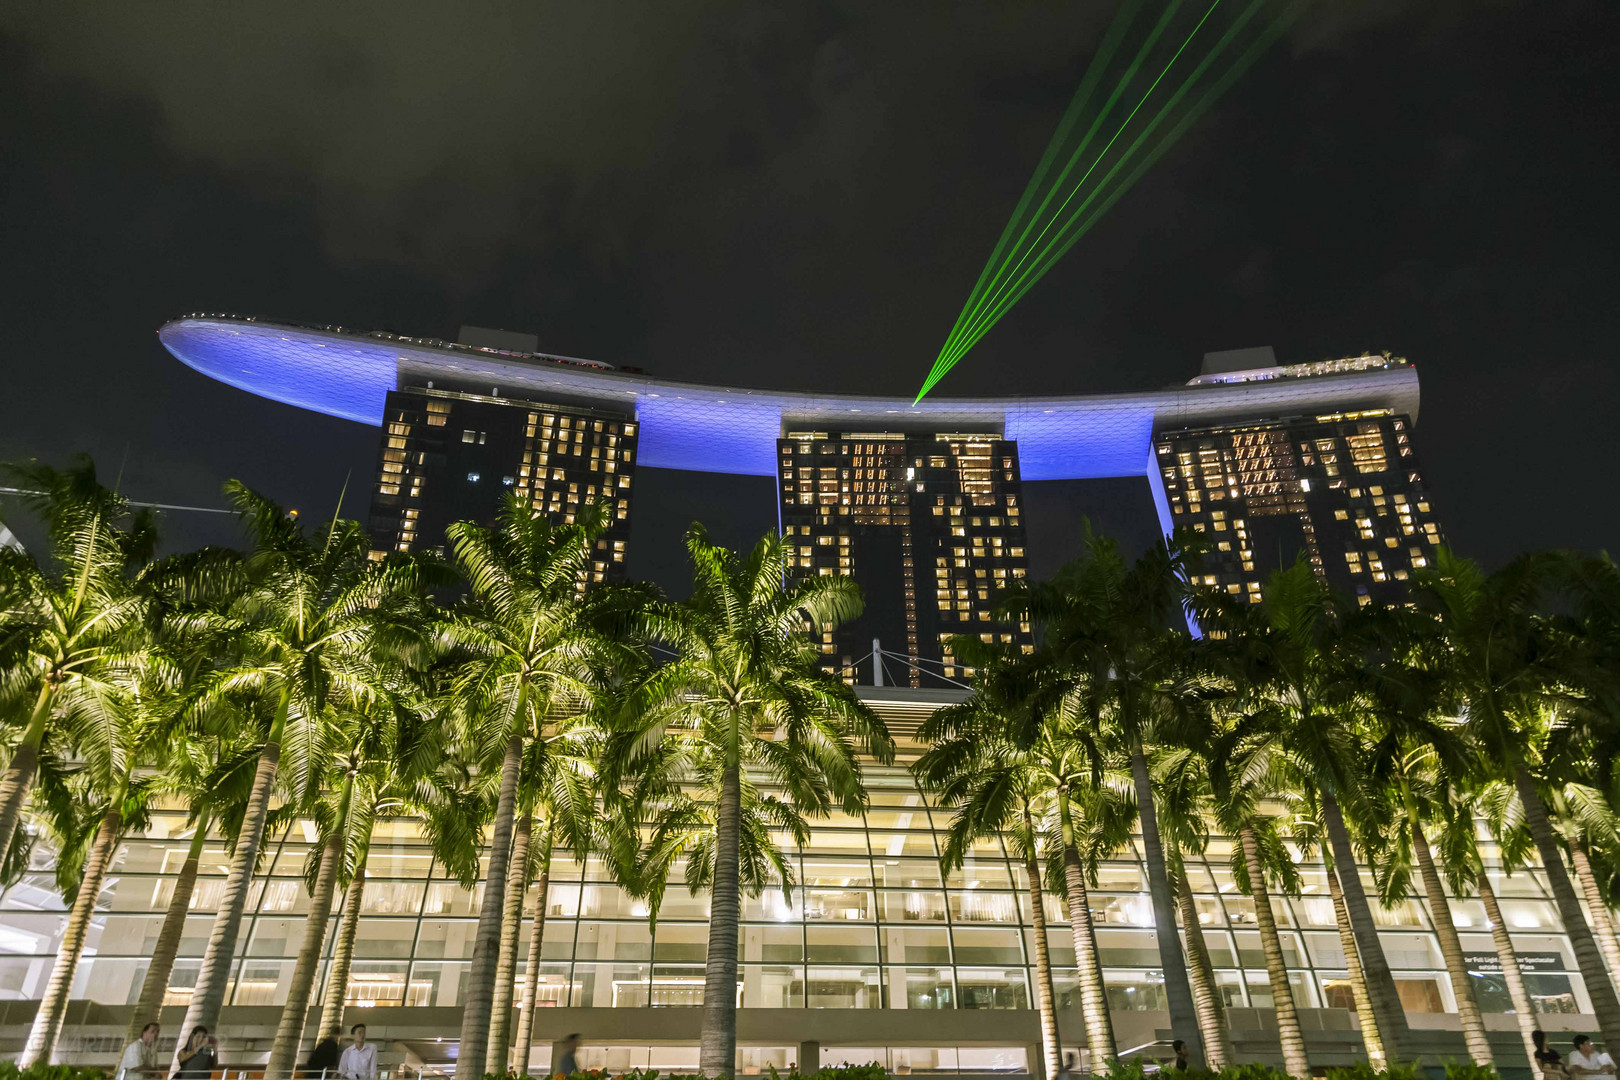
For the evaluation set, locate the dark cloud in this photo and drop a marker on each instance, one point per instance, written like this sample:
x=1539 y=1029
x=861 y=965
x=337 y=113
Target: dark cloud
x=801 y=195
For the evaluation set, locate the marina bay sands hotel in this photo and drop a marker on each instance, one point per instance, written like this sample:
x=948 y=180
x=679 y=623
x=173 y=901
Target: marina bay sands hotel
x=923 y=505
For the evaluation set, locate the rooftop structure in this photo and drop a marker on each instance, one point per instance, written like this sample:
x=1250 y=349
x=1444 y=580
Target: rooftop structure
x=733 y=429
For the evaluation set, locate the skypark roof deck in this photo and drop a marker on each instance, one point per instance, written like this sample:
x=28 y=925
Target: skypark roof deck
x=729 y=429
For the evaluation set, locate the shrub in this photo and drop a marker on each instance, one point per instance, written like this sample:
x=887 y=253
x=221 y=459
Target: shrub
x=1467 y=1070
x=1362 y=1070
x=9 y=1071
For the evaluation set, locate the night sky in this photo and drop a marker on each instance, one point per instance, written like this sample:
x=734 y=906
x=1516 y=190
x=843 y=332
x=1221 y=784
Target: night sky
x=799 y=196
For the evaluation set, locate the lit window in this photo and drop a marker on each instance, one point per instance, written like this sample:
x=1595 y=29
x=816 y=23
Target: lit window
x=472 y=478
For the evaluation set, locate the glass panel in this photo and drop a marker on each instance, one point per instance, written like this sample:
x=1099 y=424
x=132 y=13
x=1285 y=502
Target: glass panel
x=613 y=941
x=903 y=907
x=983 y=907
x=981 y=874
x=897 y=873
x=1008 y=1059
x=442 y=984
x=373 y=983
x=551 y=986
x=448 y=898
x=772 y=906
x=839 y=905
x=894 y=845
x=689 y=942
x=611 y=902
x=1127 y=948
x=837 y=872
x=1135 y=991
x=392 y=938
x=557 y=942
x=841 y=944
x=916 y=945
x=678 y=984
x=261 y=982
x=770 y=986
x=681 y=903
x=843 y=988
x=1121 y=910
x=397 y=861
x=771 y=943
x=453 y=938
x=392 y=897
x=919 y=988
x=985 y=946
x=985 y=988
x=608 y=986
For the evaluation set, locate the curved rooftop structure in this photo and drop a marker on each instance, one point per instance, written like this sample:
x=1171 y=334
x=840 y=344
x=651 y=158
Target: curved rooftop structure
x=733 y=429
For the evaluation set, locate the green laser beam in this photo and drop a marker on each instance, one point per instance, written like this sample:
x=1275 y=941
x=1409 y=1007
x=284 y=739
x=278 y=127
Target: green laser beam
x=1082 y=96
x=1245 y=61
x=992 y=299
x=1094 y=74
x=1011 y=273
x=978 y=326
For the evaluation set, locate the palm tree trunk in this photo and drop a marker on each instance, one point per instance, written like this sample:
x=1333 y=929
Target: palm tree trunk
x=1207 y=1003
x=1093 y=994
x=156 y=984
x=41 y=1044
x=1597 y=908
x=1045 y=997
x=1587 y=955
x=717 y=1053
x=219 y=956
x=487 y=941
x=1183 y=1015
x=1376 y=1054
x=1375 y=972
x=1289 y=1034
x=18 y=779
x=1462 y=988
x=527 y=1006
x=517 y=881
x=295 y=1013
x=1524 y=1011
x=337 y=980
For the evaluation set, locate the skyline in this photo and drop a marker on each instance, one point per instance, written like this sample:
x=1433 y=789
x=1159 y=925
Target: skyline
x=756 y=216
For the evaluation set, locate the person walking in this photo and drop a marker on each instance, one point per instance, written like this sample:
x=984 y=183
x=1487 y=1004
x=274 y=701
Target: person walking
x=359 y=1061
x=568 y=1061
x=140 y=1057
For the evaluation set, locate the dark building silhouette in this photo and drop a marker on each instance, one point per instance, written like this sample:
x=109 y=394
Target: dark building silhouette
x=929 y=525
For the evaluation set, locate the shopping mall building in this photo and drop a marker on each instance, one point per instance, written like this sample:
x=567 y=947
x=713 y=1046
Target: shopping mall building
x=876 y=955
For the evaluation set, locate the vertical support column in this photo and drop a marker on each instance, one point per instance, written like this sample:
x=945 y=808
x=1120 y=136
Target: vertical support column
x=809 y=1057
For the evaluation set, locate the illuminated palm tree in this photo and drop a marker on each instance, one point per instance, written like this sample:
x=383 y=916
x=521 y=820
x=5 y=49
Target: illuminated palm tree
x=745 y=697
x=72 y=630
x=532 y=642
x=1499 y=672
x=309 y=610
x=1122 y=627
x=988 y=761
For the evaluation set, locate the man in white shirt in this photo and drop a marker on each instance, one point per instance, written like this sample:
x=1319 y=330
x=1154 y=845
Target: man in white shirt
x=359 y=1060
x=1588 y=1060
x=140 y=1057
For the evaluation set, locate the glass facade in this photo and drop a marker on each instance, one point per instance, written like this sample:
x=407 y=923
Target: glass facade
x=873 y=925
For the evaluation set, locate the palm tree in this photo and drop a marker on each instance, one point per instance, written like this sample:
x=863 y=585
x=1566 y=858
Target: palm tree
x=309 y=610
x=1117 y=626
x=70 y=630
x=368 y=743
x=559 y=787
x=980 y=761
x=744 y=694
x=1181 y=788
x=530 y=643
x=1496 y=661
x=107 y=799
x=1308 y=667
